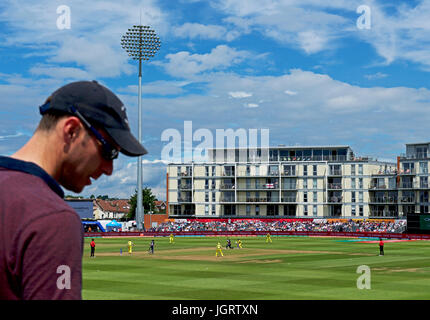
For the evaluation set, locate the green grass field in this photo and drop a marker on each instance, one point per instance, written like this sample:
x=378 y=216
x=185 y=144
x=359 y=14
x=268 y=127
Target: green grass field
x=289 y=268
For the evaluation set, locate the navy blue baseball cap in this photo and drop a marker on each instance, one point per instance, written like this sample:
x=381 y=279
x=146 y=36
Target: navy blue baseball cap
x=99 y=106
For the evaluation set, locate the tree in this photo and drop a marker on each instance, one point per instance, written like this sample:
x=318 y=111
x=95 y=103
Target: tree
x=148 y=200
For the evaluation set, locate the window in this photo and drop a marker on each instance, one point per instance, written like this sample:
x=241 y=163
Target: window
x=360 y=210
x=305 y=183
x=353 y=186
x=423 y=182
x=305 y=170
x=424 y=196
x=206 y=196
x=360 y=196
x=352 y=169
x=248 y=209
x=353 y=210
x=423 y=167
x=248 y=183
x=360 y=183
x=207 y=171
x=257 y=210
x=206 y=183
x=213 y=210
x=315 y=197
x=360 y=169
x=290 y=170
x=206 y=209
x=213 y=171
x=408 y=167
x=315 y=183
x=213 y=197
x=352 y=196
x=314 y=210
x=314 y=170
x=305 y=197
x=305 y=210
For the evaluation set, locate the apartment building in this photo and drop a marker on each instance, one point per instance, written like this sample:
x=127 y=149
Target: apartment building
x=283 y=182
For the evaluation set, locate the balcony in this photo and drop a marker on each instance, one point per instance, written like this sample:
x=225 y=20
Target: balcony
x=334 y=186
x=227 y=186
x=289 y=199
x=405 y=172
x=407 y=199
x=334 y=199
x=335 y=173
x=385 y=213
x=388 y=200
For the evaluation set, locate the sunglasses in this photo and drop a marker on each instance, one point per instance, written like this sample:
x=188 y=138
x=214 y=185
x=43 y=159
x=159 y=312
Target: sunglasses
x=108 y=151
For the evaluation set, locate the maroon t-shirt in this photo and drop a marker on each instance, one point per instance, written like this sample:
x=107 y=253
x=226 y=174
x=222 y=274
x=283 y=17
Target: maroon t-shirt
x=41 y=236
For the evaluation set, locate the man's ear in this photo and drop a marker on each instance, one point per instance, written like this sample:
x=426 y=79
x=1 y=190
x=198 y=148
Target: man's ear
x=71 y=129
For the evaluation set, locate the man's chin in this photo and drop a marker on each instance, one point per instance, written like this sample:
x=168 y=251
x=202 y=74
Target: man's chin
x=74 y=188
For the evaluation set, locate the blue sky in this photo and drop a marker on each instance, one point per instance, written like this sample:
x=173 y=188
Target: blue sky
x=302 y=69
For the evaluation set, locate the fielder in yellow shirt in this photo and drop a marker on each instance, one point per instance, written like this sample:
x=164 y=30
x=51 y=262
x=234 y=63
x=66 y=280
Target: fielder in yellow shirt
x=172 y=238
x=218 y=250
x=268 y=238
x=239 y=243
x=130 y=246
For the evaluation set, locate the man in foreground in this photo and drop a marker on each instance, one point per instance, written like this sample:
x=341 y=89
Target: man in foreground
x=83 y=127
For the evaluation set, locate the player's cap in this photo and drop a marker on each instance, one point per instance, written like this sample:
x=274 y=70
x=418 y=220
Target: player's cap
x=99 y=106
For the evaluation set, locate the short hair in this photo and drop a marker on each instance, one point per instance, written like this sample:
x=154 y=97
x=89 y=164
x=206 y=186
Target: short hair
x=50 y=118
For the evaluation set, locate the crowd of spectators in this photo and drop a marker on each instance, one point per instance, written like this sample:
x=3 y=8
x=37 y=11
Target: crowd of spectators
x=397 y=226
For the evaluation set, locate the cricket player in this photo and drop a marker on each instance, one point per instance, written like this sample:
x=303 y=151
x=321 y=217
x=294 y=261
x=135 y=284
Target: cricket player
x=268 y=238
x=228 y=246
x=219 y=250
x=172 y=238
x=151 y=247
x=381 y=247
x=130 y=245
x=239 y=243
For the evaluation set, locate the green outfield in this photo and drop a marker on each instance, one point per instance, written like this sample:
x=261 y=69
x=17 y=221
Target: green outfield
x=288 y=268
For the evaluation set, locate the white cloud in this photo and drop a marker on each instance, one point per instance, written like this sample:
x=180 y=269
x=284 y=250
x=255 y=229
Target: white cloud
x=377 y=75
x=183 y=64
x=240 y=94
x=201 y=31
x=290 y=92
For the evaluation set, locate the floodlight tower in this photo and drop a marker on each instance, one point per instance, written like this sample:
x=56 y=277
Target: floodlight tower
x=141 y=43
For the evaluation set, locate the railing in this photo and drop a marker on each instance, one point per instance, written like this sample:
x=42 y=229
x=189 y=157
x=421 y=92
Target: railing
x=384 y=213
x=407 y=199
x=384 y=200
x=407 y=171
x=418 y=155
x=335 y=173
x=334 y=186
x=288 y=173
x=334 y=199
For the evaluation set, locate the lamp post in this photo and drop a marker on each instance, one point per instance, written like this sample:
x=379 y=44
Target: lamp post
x=141 y=43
